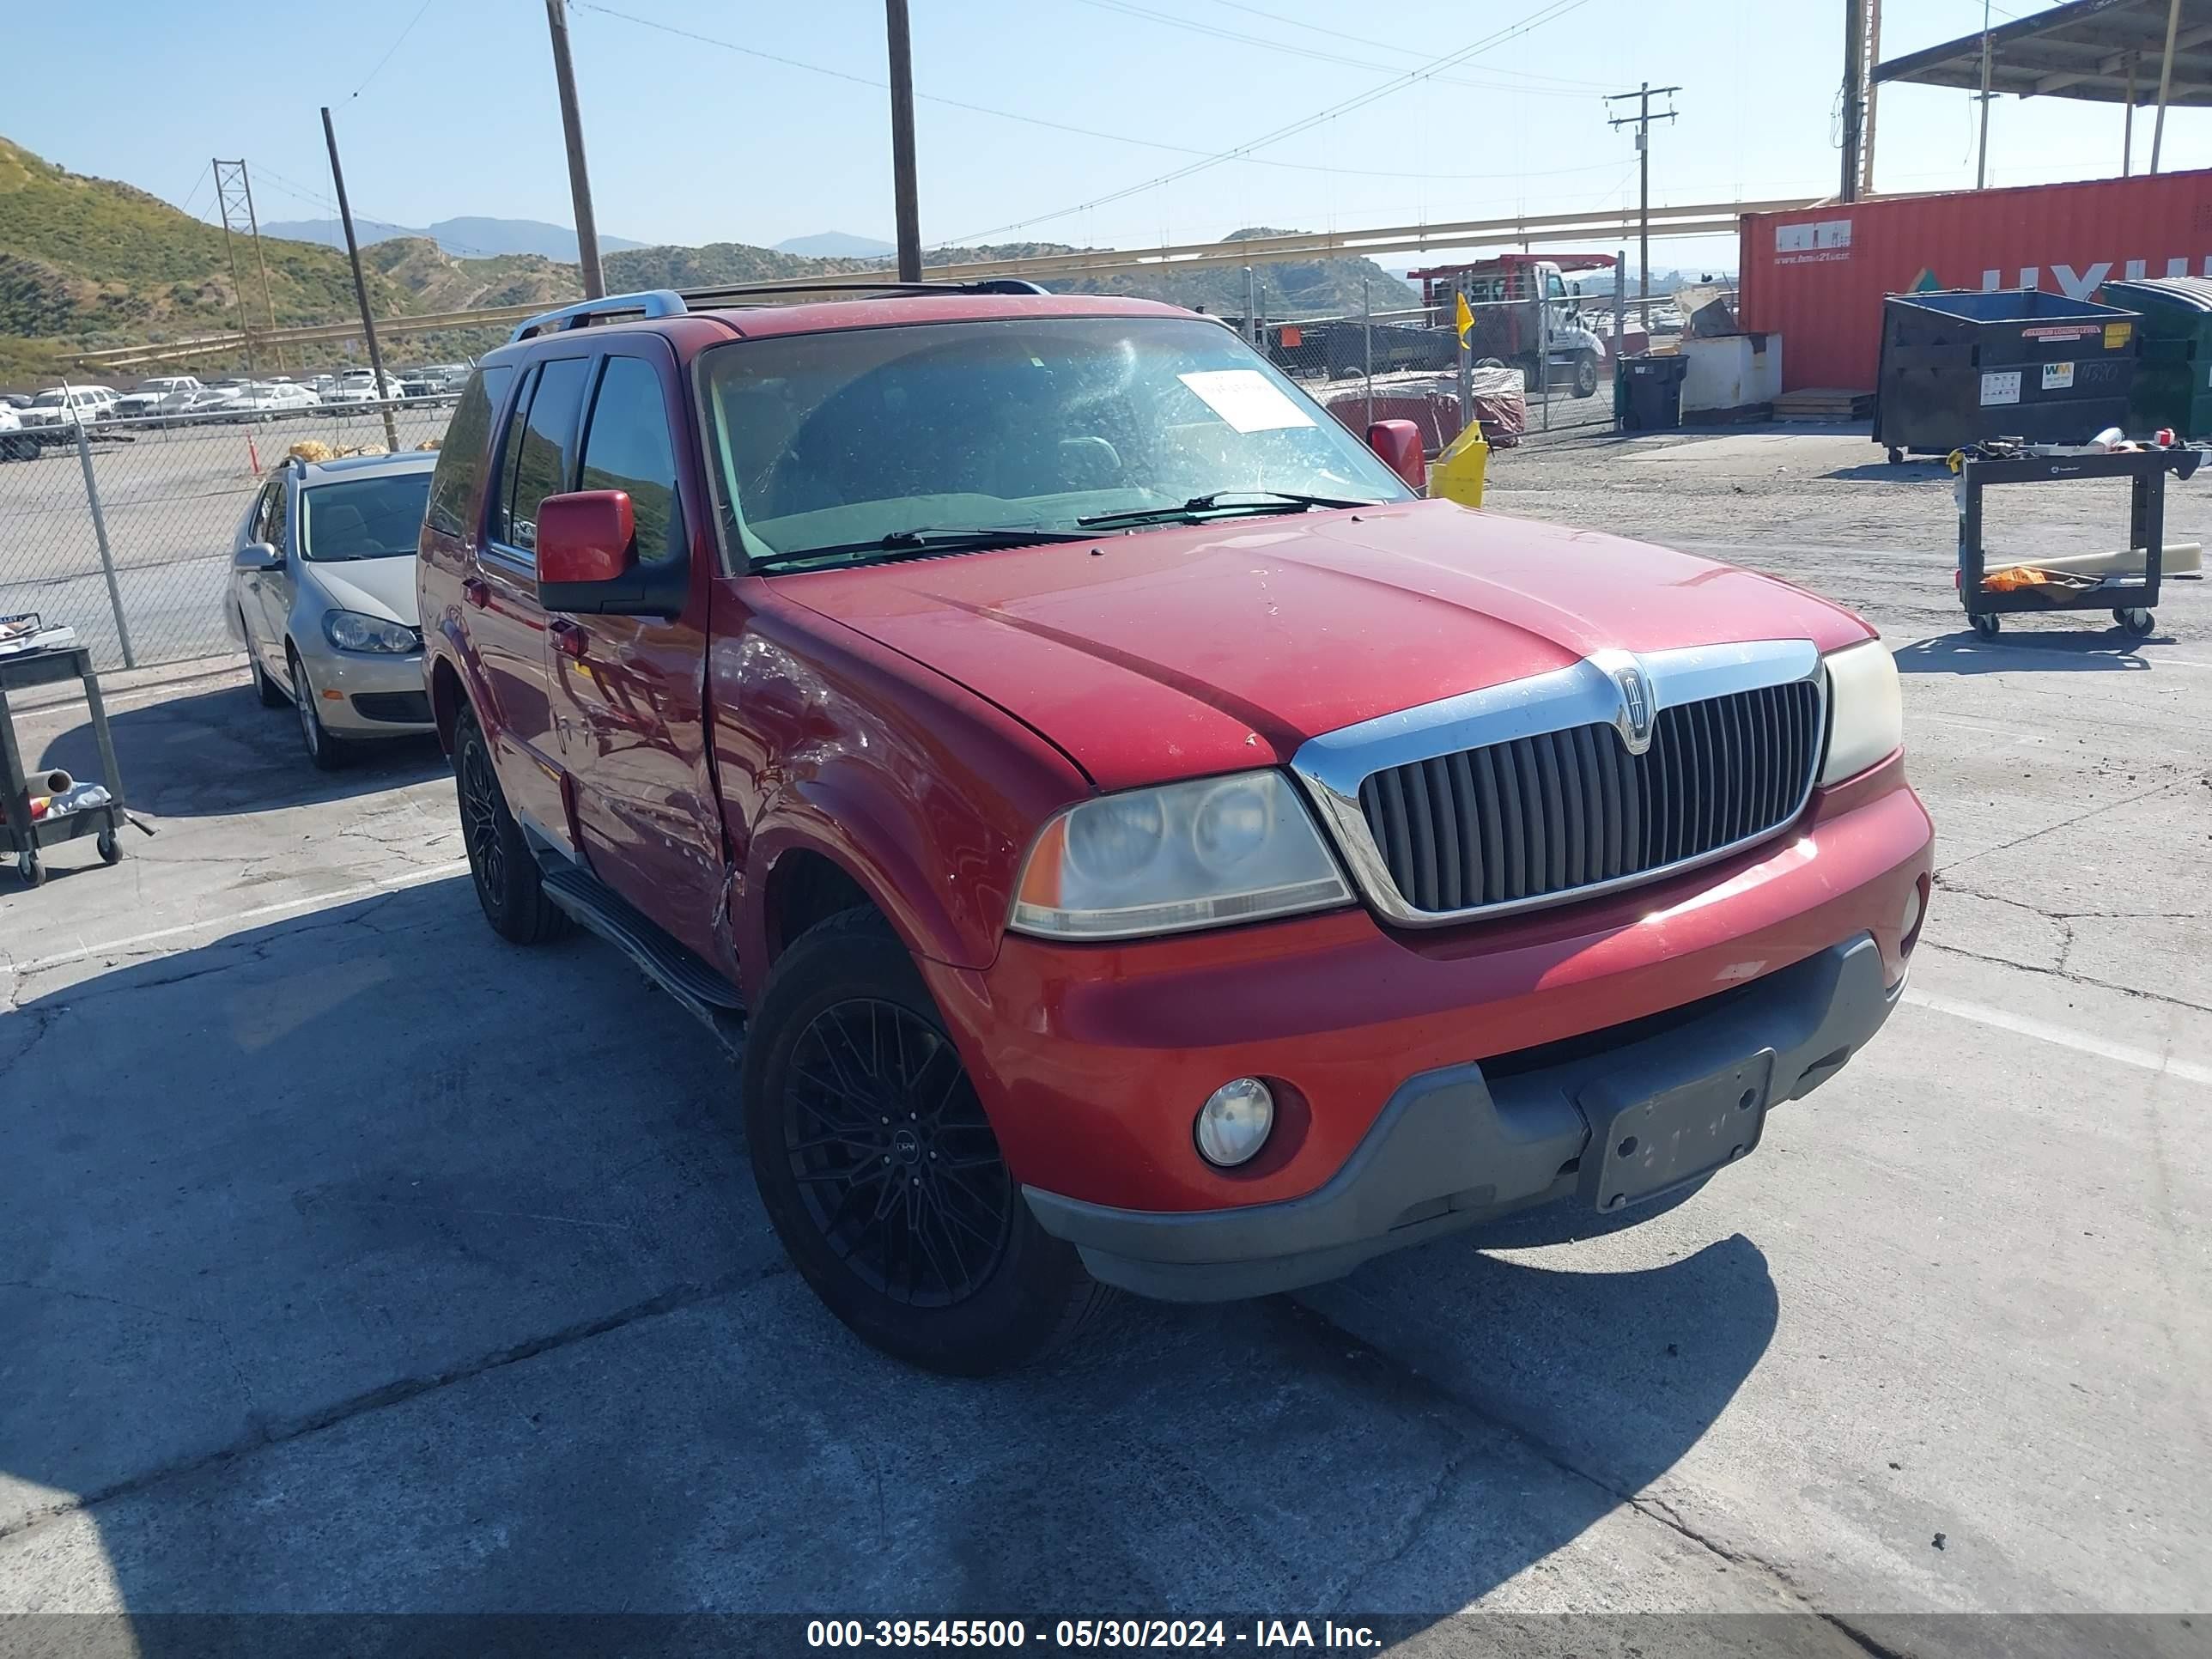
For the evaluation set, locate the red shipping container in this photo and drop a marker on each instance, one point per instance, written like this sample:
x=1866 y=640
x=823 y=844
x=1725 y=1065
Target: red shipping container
x=1817 y=275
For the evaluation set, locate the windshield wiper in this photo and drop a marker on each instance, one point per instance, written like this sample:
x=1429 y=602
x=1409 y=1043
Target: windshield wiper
x=1275 y=501
x=914 y=544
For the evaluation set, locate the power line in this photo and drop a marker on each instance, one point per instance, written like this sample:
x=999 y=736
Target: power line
x=1403 y=51
x=1546 y=14
x=393 y=47
x=1316 y=54
x=1011 y=115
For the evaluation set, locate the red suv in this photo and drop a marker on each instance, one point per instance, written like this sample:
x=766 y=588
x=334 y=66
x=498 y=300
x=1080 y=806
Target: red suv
x=1140 y=842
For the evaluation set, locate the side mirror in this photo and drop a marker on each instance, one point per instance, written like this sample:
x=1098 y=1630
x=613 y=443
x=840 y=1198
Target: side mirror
x=588 y=562
x=1399 y=444
x=256 y=556
x=587 y=537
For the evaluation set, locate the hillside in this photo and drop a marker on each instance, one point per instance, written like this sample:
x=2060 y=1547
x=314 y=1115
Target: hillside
x=89 y=262
x=86 y=263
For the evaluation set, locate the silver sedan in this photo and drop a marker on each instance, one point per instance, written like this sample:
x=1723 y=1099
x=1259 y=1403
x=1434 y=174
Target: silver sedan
x=322 y=596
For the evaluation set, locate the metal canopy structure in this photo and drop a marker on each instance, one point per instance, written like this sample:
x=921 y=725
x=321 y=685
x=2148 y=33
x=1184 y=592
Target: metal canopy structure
x=2109 y=50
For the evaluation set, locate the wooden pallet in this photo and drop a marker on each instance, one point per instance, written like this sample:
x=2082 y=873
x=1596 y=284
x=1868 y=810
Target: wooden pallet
x=1823 y=403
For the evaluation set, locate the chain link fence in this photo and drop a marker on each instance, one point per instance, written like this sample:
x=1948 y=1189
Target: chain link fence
x=123 y=529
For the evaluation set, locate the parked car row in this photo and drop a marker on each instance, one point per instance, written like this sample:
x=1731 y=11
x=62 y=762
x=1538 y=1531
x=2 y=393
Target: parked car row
x=29 y=423
x=1111 y=888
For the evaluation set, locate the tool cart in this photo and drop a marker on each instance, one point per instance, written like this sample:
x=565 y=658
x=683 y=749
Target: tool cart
x=2125 y=583
x=23 y=834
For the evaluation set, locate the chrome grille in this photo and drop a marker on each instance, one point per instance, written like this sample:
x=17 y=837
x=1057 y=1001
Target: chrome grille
x=1537 y=817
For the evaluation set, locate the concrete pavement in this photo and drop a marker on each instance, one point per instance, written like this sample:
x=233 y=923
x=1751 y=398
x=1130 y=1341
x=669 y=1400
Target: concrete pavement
x=314 y=1298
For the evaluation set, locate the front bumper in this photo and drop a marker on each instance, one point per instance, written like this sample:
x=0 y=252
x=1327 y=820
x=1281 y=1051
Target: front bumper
x=1452 y=1148
x=377 y=697
x=1092 y=1058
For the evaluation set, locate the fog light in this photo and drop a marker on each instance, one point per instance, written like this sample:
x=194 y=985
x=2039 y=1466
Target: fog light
x=1233 y=1124
x=1908 y=934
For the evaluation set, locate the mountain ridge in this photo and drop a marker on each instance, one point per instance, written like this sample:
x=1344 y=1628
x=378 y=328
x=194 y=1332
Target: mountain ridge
x=89 y=263
x=469 y=236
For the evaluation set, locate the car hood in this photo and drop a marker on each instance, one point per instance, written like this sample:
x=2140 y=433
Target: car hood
x=381 y=588
x=1178 y=652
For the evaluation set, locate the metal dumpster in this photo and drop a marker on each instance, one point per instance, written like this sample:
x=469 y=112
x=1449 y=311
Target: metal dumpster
x=1964 y=367
x=1647 y=392
x=2174 y=373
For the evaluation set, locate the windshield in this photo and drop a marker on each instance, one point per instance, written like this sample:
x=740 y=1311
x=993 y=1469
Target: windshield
x=48 y=400
x=838 y=440
x=363 y=517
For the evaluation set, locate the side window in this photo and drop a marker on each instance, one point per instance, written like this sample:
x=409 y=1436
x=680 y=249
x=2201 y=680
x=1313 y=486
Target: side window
x=628 y=448
x=543 y=457
x=280 y=517
x=461 y=455
x=510 y=455
x=257 y=528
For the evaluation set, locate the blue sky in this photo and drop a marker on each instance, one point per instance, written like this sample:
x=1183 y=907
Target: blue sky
x=692 y=141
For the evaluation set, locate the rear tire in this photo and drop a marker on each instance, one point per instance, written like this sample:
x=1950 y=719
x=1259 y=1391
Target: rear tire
x=1986 y=624
x=910 y=1228
x=501 y=863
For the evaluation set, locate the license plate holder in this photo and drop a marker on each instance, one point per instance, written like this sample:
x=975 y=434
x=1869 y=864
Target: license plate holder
x=1645 y=1146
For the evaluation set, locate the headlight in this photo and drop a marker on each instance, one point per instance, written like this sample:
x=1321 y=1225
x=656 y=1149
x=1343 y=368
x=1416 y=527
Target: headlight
x=1185 y=855
x=350 y=631
x=1866 y=709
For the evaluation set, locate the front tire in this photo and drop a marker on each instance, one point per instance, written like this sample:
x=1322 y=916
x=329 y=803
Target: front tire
x=879 y=1169
x=1585 y=376
x=327 y=752
x=501 y=863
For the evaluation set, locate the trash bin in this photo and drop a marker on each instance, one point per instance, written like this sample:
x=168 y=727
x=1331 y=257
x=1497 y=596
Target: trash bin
x=1647 y=392
x=2173 y=369
x=1961 y=367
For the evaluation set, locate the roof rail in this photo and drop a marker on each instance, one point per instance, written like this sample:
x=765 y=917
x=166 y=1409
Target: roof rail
x=652 y=302
x=741 y=291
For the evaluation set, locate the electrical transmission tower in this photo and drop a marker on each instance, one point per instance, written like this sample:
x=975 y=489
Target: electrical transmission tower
x=233 y=193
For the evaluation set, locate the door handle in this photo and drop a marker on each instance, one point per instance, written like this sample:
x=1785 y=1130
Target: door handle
x=476 y=591
x=568 y=640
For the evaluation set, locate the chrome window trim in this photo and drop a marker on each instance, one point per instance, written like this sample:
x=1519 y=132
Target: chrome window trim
x=1332 y=766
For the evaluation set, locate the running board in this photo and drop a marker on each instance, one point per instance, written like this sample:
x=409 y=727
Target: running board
x=705 y=993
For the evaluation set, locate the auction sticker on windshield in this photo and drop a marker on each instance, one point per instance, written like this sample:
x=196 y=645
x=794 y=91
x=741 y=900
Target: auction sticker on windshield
x=1246 y=398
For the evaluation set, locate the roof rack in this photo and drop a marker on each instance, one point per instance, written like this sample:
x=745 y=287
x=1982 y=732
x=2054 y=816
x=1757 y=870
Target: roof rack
x=850 y=285
x=667 y=303
x=652 y=302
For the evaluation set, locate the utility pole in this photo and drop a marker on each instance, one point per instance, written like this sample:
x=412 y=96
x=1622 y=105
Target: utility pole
x=1869 y=54
x=571 y=129
x=359 y=283
x=903 y=199
x=1982 y=156
x=2164 y=80
x=2128 y=125
x=1854 y=95
x=1641 y=121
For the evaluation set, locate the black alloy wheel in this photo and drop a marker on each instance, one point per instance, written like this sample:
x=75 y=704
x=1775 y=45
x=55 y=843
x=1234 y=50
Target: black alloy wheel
x=893 y=1158
x=481 y=808
x=881 y=1172
x=501 y=865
